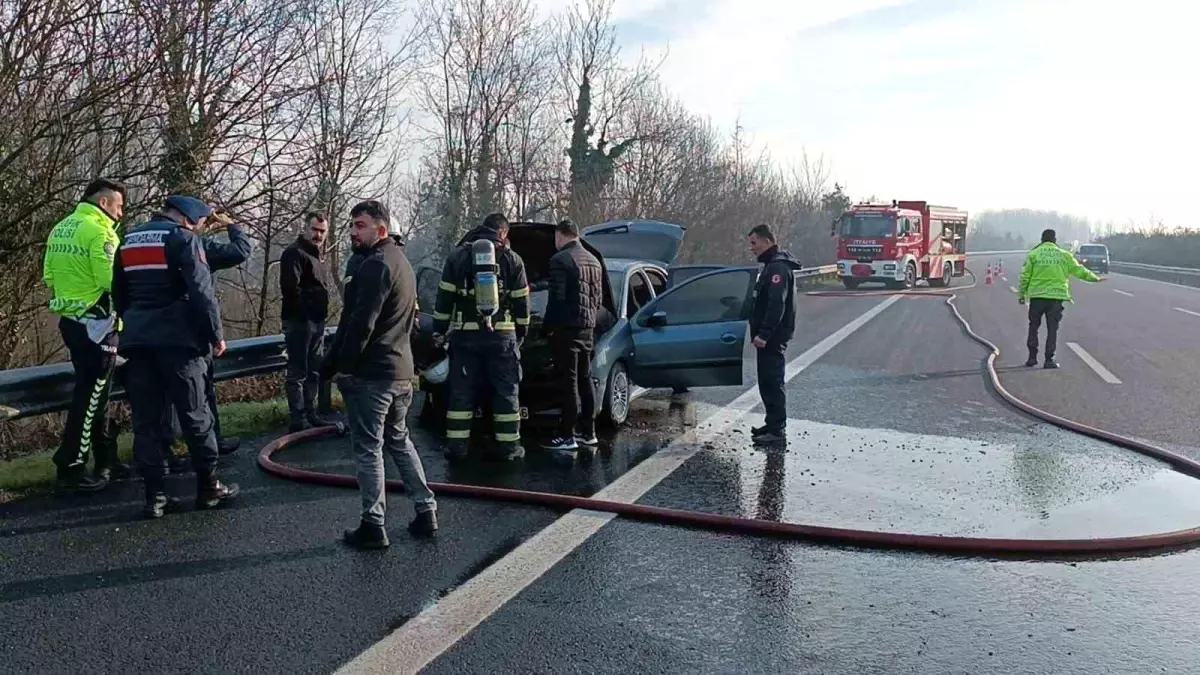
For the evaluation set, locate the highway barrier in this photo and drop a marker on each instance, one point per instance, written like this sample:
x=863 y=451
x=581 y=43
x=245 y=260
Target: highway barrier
x=1184 y=276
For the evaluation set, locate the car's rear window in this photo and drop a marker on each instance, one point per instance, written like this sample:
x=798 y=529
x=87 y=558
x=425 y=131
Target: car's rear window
x=1093 y=250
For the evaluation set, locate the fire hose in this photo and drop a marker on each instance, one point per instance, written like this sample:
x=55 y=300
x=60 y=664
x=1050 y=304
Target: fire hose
x=936 y=544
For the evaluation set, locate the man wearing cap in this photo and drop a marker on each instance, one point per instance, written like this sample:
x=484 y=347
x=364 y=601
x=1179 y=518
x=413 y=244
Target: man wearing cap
x=220 y=257
x=78 y=269
x=163 y=290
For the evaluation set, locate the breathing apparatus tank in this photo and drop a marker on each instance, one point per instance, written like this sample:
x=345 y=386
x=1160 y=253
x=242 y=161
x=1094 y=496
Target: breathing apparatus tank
x=487 y=290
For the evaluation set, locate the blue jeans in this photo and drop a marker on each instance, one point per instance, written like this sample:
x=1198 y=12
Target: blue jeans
x=376 y=411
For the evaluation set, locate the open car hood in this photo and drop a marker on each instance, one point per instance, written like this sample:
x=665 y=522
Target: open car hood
x=637 y=239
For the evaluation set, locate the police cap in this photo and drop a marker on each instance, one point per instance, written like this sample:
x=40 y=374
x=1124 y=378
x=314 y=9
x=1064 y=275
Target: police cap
x=193 y=209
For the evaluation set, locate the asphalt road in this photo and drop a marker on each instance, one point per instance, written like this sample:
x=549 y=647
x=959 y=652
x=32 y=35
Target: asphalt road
x=891 y=429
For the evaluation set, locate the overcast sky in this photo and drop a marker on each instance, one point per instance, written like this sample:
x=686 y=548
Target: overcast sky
x=1088 y=107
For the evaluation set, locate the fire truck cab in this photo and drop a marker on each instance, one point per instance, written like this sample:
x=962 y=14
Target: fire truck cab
x=900 y=244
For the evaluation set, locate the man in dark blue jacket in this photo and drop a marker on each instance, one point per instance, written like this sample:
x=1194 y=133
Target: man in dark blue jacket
x=163 y=291
x=220 y=257
x=772 y=325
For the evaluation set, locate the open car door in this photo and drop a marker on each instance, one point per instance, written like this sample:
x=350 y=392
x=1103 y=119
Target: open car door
x=694 y=334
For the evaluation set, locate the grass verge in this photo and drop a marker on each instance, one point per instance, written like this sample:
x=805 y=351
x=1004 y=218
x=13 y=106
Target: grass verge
x=27 y=474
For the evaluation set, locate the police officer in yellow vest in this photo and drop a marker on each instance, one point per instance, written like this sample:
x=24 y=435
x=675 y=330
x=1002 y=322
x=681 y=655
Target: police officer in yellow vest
x=483 y=299
x=78 y=268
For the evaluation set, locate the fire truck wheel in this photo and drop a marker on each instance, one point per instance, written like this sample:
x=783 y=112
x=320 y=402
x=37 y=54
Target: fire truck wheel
x=851 y=284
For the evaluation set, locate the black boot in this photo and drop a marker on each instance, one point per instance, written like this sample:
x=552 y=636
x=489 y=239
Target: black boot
x=315 y=420
x=298 y=424
x=424 y=525
x=1050 y=364
x=456 y=450
x=228 y=446
x=117 y=471
x=509 y=452
x=159 y=505
x=211 y=493
x=366 y=537
x=79 y=482
x=1031 y=361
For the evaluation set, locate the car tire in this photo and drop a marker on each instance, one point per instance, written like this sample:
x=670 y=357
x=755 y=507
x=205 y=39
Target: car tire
x=851 y=284
x=616 y=396
x=947 y=275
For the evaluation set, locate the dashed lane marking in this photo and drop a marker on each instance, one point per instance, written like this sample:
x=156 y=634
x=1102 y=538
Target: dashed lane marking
x=1125 y=293
x=1187 y=311
x=436 y=629
x=1095 y=365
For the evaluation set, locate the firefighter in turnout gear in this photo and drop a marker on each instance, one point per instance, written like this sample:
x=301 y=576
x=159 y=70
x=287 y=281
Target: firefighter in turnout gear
x=483 y=304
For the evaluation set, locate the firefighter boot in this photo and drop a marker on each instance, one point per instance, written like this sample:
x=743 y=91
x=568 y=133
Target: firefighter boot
x=509 y=452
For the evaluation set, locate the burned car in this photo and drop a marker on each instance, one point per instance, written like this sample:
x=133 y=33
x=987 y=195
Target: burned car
x=663 y=327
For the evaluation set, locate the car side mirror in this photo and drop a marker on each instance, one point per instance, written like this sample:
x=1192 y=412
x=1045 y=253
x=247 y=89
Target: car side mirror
x=657 y=320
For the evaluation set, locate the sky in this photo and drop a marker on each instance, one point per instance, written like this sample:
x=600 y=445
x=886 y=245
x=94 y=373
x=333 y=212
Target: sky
x=1085 y=107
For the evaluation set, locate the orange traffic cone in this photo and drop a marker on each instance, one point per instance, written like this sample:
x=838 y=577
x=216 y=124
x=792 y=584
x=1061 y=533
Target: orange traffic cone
x=1000 y=267
x=988 y=279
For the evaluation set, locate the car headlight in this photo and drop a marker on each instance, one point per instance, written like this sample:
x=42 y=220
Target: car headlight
x=438 y=372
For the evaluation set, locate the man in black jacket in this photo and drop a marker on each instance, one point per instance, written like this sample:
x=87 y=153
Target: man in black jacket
x=372 y=357
x=576 y=296
x=772 y=325
x=304 y=283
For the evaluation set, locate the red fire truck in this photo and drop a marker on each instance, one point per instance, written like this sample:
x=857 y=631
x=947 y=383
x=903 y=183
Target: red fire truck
x=901 y=243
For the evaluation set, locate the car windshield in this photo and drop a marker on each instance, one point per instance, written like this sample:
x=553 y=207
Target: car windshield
x=868 y=226
x=1092 y=250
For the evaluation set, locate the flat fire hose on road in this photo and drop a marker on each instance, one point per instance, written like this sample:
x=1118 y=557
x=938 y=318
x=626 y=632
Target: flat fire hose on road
x=938 y=544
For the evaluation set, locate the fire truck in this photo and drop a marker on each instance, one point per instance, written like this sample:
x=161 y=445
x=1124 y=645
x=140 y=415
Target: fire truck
x=901 y=243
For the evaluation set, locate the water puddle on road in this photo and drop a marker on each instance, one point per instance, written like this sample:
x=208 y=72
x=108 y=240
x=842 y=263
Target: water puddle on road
x=1048 y=485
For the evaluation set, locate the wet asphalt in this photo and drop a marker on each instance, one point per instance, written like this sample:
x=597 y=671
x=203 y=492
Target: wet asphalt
x=892 y=430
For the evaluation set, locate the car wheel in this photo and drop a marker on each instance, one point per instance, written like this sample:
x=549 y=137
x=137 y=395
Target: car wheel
x=851 y=284
x=910 y=276
x=616 y=396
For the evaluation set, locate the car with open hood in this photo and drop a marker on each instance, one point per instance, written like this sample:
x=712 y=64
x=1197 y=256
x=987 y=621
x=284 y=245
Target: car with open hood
x=663 y=326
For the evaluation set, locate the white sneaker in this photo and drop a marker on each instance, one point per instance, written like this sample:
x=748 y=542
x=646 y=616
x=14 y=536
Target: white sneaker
x=587 y=440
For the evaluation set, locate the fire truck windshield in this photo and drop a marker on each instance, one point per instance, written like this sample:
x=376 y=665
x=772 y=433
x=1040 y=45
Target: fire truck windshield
x=868 y=226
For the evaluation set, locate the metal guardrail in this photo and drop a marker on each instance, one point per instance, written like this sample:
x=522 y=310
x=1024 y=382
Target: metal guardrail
x=1186 y=271
x=1181 y=276
x=27 y=392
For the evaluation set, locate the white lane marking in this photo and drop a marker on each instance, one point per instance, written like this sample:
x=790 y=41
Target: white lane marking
x=1095 y=365
x=1127 y=293
x=1165 y=283
x=436 y=629
x=1004 y=278
x=1186 y=311
x=1013 y=289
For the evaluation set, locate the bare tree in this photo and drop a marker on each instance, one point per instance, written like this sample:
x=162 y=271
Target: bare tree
x=483 y=58
x=600 y=89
